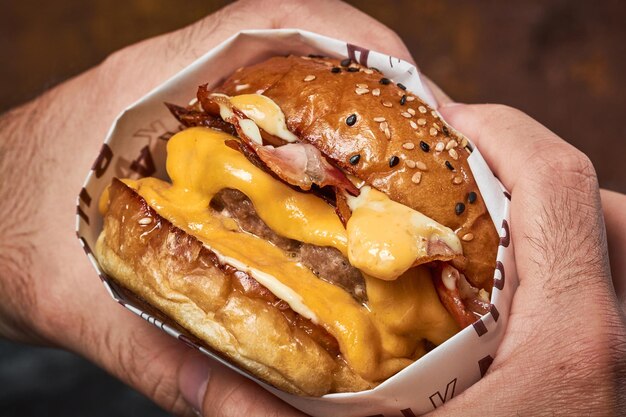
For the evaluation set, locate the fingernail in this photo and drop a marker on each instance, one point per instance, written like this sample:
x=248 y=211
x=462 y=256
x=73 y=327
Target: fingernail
x=193 y=380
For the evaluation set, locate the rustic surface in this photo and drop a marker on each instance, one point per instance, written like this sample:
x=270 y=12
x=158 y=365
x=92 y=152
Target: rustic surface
x=563 y=62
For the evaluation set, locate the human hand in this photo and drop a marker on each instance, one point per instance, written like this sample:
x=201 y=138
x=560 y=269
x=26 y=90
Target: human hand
x=50 y=290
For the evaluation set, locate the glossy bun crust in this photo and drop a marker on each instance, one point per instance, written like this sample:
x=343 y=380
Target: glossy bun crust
x=182 y=279
x=405 y=149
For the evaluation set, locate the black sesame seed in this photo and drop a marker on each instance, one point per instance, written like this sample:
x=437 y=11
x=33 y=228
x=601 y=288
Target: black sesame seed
x=375 y=69
x=425 y=146
x=459 y=208
x=403 y=100
x=471 y=197
x=316 y=56
x=449 y=166
x=335 y=70
x=351 y=120
x=353 y=69
x=393 y=161
x=354 y=159
x=401 y=86
x=384 y=81
x=346 y=62
x=445 y=130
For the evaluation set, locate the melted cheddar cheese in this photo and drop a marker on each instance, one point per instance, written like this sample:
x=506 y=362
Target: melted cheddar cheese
x=376 y=339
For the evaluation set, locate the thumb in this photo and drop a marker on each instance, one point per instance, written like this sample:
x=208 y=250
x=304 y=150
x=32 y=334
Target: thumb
x=213 y=390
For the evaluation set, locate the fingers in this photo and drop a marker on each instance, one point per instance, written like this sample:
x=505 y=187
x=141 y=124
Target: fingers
x=216 y=391
x=615 y=220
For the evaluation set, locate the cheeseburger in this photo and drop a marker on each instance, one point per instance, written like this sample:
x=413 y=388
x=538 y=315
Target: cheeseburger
x=321 y=228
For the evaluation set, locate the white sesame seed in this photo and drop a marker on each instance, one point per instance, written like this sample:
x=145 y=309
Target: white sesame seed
x=417 y=177
x=409 y=163
x=468 y=237
x=309 y=77
x=361 y=85
x=412 y=111
x=379 y=119
x=193 y=101
x=361 y=91
x=387 y=133
x=421 y=122
x=387 y=104
x=421 y=165
x=436 y=126
x=439 y=146
x=434 y=113
x=406 y=114
x=422 y=109
x=144 y=221
x=410 y=98
x=308 y=58
x=368 y=71
x=408 y=145
x=241 y=87
x=453 y=154
x=464 y=142
x=433 y=131
x=376 y=92
x=451 y=144
x=457 y=180
x=383 y=126
x=413 y=124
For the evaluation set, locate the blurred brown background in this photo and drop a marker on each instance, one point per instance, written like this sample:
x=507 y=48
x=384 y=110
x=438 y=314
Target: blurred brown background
x=560 y=61
x=563 y=62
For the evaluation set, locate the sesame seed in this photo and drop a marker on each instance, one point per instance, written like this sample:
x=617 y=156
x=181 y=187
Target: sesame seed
x=309 y=77
x=401 y=86
x=449 y=166
x=361 y=85
x=351 y=120
x=417 y=177
x=434 y=113
x=307 y=58
x=410 y=163
x=459 y=208
x=354 y=159
x=421 y=122
x=433 y=131
x=316 y=56
x=387 y=133
x=376 y=92
x=353 y=69
x=413 y=124
x=439 y=146
x=379 y=119
x=144 y=221
x=387 y=104
x=457 y=180
x=436 y=126
x=452 y=144
x=412 y=111
x=368 y=71
x=445 y=130
x=403 y=100
x=406 y=114
x=468 y=237
x=471 y=197
x=422 y=109
x=384 y=81
x=464 y=142
x=408 y=145
x=346 y=62
x=335 y=70
x=421 y=165
x=361 y=91
x=375 y=69
x=425 y=146
x=410 y=98
x=383 y=126
x=453 y=154
x=393 y=161
x=242 y=87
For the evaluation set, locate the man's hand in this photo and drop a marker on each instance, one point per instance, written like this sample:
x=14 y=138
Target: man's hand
x=565 y=331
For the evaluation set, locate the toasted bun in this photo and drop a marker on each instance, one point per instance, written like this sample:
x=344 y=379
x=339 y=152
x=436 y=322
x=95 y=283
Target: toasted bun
x=317 y=101
x=174 y=273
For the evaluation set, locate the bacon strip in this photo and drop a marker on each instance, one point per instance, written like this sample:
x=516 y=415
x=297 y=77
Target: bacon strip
x=298 y=164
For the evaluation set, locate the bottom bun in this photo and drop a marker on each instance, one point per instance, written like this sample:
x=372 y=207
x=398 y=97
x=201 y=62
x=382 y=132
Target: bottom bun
x=174 y=273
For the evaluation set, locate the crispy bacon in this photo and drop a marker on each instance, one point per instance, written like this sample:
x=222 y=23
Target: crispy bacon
x=190 y=117
x=298 y=164
x=461 y=300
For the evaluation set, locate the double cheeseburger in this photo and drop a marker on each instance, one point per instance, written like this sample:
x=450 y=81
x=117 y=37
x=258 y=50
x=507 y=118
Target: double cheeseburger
x=321 y=230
